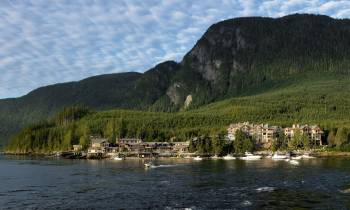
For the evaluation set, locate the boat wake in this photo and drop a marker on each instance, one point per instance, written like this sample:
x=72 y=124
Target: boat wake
x=162 y=166
x=246 y=203
x=265 y=189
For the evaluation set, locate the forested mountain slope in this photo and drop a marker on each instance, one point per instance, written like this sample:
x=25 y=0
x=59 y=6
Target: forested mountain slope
x=304 y=100
x=124 y=90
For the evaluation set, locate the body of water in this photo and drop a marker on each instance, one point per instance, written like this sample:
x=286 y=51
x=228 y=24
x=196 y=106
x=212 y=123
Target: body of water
x=49 y=183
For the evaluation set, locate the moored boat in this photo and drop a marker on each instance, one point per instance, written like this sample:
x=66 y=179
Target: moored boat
x=215 y=157
x=58 y=154
x=277 y=156
x=118 y=158
x=229 y=157
x=250 y=156
x=307 y=156
x=198 y=158
x=296 y=157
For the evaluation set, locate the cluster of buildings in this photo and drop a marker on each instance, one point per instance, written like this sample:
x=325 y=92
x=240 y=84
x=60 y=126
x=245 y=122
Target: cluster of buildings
x=101 y=147
x=264 y=134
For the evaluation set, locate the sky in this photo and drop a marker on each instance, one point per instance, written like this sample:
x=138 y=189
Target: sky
x=45 y=42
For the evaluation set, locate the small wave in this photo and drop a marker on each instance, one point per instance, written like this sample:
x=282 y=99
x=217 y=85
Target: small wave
x=186 y=208
x=246 y=203
x=20 y=190
x=50 y=186
x=265 y=189
x=164 y=182
x=85 y=190
x=79 y=174
x=34 y=186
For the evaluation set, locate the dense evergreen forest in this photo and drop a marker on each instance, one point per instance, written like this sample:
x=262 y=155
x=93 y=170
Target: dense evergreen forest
x=322 y=100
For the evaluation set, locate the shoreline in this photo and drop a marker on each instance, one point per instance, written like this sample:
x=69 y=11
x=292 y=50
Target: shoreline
x=331 y=154
x=320 y=154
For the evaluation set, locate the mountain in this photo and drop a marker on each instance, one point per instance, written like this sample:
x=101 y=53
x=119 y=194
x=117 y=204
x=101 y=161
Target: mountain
x=124 y=90
x=252 y=53
x=316 y=100
x=234 y=58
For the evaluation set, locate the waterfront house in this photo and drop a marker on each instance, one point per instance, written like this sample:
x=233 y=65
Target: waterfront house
x=131 y=144
x=98 y=147
x=233 y=128
x=314 y=132
x=269 y=133
x=77 y=148
x=167 y=148
x=98 y=142
x=181 y=147
x=263 y=134
x=112 y=151
x=138 y=146
x=123 y=141
x=162 y=147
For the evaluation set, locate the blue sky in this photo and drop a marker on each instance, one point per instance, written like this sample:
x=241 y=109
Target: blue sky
x=44 y=42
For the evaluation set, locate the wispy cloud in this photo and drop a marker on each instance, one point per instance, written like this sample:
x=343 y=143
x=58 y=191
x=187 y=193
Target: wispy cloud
x=45 y=42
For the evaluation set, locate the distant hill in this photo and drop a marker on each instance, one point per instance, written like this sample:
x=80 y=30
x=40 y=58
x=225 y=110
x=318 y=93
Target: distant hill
x=124 y=90
x=234 y=58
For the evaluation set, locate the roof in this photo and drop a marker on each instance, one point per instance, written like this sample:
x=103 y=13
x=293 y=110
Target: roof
x=315 y=127
x=157 y=142
x=129 y=139
x=96 y=140
x=181 y=142
x=77 y=145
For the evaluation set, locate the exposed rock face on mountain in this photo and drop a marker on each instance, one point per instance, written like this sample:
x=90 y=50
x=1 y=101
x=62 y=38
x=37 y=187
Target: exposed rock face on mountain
x=244 y=53
x=233 y=57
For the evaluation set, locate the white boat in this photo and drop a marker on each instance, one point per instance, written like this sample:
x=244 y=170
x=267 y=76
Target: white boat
x=296 y=157
x=278 y=157
x=58 y=154
x=215 y=157
x=307 y=156
x=198 y=158
x=250 y=156
x=229 y=157
x=118 y=158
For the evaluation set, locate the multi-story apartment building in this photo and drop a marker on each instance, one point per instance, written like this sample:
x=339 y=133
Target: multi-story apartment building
x=264 y=134
x=314 y=132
